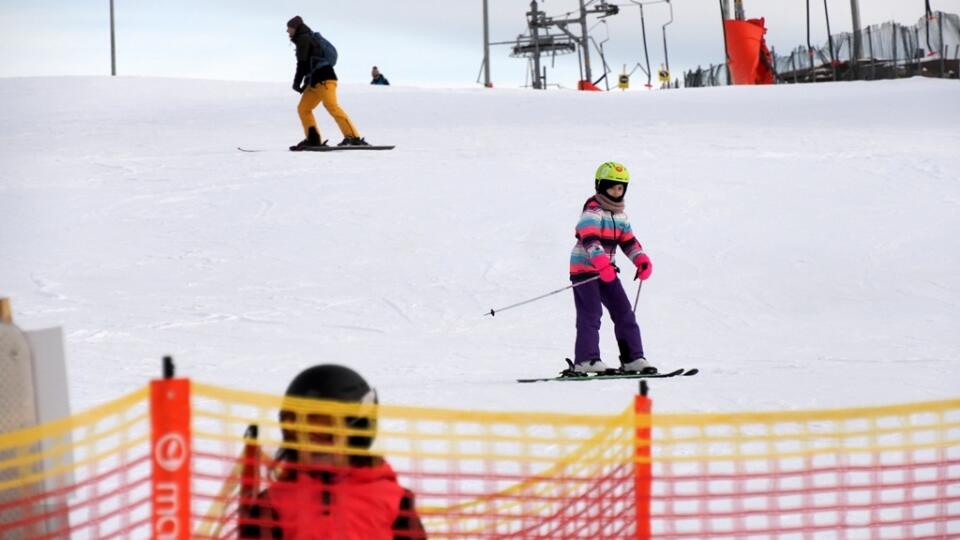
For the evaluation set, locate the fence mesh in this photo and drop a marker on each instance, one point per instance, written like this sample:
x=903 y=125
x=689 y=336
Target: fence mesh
x=87 y=476
x=474 y=474
x=887 y=50
x=883 y=472
x=888 y=472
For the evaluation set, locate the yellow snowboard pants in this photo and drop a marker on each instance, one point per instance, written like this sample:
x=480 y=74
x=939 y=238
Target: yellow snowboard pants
x=326 y=93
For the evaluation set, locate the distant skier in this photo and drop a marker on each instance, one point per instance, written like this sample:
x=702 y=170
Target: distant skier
x=602 y=227
x=327 y=484
x=378 y=78
x=316 y=81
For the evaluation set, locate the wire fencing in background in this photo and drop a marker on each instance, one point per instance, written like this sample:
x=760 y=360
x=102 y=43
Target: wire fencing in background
x=931 y=48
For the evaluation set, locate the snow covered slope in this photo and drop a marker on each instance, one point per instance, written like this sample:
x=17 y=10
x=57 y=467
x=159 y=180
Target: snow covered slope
x=804 y=238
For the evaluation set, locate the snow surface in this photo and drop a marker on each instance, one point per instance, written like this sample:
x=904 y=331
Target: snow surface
x=804 y=238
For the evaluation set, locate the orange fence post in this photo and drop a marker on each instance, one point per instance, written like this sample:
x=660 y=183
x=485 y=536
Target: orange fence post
x=642 y=464
x=170 y=456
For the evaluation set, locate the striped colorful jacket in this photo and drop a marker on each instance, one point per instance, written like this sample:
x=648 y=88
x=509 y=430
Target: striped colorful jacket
x=601 y=231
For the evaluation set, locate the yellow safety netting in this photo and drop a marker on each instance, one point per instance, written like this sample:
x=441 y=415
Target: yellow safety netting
x=86 y=476
x=474 y=473
x=891 y=471
x=878 y=472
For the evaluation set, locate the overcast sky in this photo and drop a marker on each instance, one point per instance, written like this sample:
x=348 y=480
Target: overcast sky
x=415 y=42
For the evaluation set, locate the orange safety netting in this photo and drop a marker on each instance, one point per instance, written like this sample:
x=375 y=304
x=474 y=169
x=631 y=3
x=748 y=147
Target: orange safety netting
x=884 y=472
x=86 y=476
x=474 y=474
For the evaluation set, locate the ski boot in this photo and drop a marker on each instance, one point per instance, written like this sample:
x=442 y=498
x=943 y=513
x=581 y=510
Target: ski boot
x=585 y=368
x=312 y=140
x=353 y=141
x=637 y=365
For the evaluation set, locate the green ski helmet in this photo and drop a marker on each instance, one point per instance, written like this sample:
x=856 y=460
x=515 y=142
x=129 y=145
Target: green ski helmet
x=611 y=173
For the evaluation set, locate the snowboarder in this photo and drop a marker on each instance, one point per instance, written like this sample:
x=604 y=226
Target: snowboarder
x=316 y=81
x=327 y=483
x=602 y=227
x=378 y=78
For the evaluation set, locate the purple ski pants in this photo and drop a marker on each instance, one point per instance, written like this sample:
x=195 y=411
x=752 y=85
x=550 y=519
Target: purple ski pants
x=589 y=298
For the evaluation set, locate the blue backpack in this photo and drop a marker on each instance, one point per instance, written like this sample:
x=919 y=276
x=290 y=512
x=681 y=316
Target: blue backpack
x=328 y=53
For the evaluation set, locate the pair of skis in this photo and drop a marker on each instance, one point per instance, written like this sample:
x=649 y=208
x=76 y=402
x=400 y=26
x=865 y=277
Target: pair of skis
x=570 y=375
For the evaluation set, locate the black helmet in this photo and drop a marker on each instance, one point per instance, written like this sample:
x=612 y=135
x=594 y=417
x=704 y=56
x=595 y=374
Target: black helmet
x=329 y=381
x=338 y=383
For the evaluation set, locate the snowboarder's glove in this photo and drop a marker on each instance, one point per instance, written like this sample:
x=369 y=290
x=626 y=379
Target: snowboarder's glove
x=644 y=266
x=608 y=272
x=297 y=88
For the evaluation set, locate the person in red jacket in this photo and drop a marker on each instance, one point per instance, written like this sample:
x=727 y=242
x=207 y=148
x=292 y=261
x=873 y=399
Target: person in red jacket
x=328 y=485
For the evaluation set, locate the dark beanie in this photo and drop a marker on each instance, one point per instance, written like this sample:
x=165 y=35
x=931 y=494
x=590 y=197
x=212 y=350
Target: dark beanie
x=295 y=22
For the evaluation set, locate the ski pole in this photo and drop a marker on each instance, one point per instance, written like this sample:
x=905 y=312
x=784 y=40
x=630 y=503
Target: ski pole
x=493 y=312
x=637 y=299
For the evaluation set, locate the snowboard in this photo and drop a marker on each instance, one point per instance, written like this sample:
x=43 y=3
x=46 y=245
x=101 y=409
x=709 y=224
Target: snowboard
x=340 y=148
x=324 y=148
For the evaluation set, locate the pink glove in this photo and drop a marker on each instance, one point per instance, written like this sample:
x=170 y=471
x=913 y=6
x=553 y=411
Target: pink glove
x=608 y=272
x=644 y=266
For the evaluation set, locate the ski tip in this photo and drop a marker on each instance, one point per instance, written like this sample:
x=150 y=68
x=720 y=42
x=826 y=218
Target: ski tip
x=691 y=372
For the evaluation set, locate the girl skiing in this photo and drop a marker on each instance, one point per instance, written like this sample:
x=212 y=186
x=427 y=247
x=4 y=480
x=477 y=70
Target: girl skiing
x=602 y=227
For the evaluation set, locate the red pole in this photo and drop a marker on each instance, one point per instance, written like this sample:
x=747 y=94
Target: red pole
x=249 y=477
x=170 y=456
x=643 y=465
